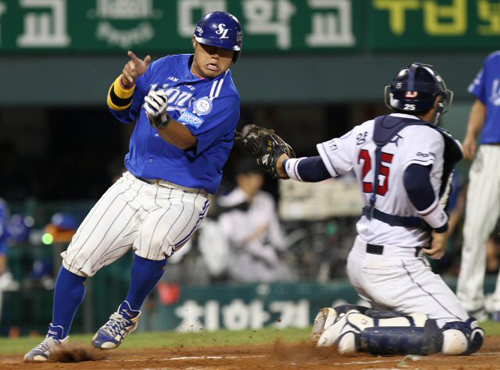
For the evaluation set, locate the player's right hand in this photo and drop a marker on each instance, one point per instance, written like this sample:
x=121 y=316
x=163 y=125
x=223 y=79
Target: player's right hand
x=156 y=103
x=469 y=147
x=438 y=246
x=134 y=69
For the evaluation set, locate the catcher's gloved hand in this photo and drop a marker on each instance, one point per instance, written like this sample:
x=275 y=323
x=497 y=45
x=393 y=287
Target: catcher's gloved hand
x=265 y=145
x=156 y=104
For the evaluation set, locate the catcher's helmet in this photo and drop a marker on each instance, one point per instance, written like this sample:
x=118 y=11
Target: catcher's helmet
x=415 y=89
x=220 y=29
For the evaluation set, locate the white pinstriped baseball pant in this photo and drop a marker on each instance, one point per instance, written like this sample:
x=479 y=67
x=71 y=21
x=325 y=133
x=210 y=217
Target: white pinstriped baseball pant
x=154 y=220
x=481 y=215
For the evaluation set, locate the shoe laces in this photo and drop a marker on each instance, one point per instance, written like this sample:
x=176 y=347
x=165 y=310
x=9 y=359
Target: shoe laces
x=116 y=323
x=46 y=345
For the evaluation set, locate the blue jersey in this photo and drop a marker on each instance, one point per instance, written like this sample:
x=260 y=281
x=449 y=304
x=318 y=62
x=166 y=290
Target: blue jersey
x=486 y=86
x=209 y=108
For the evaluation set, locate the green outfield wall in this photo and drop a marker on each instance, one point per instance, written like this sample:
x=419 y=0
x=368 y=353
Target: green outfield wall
x=67 y=53
x=270 y=25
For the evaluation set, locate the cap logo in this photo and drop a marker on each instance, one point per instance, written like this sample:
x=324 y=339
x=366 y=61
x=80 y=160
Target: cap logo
x=222 y=31
x=411 y=94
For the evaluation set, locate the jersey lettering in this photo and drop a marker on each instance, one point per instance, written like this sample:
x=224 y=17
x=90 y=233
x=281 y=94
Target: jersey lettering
x=364 y=156
x=177 y=98
x=172 y=94
x=361 y=138
x=181 y=101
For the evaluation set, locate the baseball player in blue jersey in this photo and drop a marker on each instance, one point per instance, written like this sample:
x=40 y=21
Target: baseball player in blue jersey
x=483 y=195
x=185 y=109
x=402 y=162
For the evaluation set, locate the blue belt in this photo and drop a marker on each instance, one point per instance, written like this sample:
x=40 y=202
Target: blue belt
x=393 y=220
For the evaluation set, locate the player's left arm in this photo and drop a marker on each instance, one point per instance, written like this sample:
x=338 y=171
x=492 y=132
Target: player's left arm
x=417 y=181
x=175 y=133
x=210 y=121
x=169 y=129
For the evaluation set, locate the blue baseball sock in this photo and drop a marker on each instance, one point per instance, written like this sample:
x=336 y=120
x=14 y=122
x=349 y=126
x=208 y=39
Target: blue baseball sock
x=145 y=275
x=68 y=296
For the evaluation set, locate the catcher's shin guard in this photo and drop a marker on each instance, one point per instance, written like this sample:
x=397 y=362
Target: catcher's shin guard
x=404 y=340
x=379 y=332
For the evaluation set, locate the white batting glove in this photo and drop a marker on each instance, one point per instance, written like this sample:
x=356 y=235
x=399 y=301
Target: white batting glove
x=156 y=104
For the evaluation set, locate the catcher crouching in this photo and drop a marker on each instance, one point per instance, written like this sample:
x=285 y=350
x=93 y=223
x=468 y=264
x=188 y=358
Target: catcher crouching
x=403 y=163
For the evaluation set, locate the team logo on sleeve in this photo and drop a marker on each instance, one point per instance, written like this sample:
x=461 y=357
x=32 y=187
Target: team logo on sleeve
x=202 y=106
x=191 y=119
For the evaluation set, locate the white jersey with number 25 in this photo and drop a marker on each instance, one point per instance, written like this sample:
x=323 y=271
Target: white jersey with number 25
x=415 y=144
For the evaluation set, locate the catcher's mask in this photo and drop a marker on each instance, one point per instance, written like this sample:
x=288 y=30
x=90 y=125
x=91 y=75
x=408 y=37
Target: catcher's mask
x=222 y=30
x=416 y=88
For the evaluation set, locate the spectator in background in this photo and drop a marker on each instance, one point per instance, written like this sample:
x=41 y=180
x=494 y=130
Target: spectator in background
x=250 y=222
x=483 y=196
x=6 y=279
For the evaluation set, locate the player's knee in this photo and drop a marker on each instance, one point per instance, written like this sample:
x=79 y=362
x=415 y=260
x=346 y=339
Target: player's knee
x=76 y=265
x=462 y=338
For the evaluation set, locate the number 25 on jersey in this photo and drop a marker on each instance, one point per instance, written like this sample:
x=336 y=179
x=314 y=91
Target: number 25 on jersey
x=386 y=159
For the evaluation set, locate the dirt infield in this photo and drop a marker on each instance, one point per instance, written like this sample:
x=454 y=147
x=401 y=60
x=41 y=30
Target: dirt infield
x=277 y=356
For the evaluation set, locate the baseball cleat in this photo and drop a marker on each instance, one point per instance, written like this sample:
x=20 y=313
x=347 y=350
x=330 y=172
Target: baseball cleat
x=325 y=318
x=48 y=347
x=120 y=324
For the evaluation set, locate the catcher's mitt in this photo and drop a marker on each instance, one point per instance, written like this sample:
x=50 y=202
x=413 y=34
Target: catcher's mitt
x=265 y=145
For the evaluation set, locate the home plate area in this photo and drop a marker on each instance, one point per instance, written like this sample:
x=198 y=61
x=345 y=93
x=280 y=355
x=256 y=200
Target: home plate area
x=276 y=356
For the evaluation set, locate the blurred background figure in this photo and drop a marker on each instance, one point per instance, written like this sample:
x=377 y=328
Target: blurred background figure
x=250 y=222
x=5 y=234
x=7 y=282
x=483 y=196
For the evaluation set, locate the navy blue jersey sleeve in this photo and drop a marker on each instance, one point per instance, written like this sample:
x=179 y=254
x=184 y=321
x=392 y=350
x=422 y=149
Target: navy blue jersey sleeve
x=308 y=169
x=418 y=186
